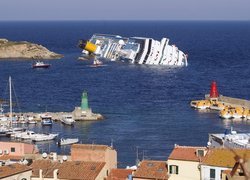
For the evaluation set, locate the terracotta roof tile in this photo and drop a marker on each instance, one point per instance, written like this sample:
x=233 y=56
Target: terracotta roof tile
x=89 y=146
x=152 y=169
x=13 y=169
x=10 y=157
x=68 y=170
x=119 y=174
x=222 y=157
x=185 y=153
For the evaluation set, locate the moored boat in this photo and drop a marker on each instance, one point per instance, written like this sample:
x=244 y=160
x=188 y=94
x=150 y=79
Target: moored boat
x=44 y=137
x=68 y=120
x=230 y=139
x=67 y=141
x=46 y=120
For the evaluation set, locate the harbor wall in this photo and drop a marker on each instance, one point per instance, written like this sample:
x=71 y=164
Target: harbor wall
x=235 y=101
x=232 y=101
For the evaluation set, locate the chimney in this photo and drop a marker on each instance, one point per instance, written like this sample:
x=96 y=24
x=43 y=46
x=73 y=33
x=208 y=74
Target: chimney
x=40 y=174
x=55 y=172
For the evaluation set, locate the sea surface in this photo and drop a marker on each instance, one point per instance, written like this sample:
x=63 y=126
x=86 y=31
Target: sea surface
x=145 y=107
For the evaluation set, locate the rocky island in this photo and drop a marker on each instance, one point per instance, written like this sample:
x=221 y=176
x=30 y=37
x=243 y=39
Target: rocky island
x=25 y=50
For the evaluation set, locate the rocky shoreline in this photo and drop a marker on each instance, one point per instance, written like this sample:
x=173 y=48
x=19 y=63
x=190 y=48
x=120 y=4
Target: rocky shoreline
x=25 y=50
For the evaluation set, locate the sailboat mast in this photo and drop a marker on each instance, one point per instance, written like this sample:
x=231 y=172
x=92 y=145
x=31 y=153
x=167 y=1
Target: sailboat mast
x=10 y=102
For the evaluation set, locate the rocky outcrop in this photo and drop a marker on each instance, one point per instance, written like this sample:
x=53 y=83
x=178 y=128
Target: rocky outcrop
x=25 y=50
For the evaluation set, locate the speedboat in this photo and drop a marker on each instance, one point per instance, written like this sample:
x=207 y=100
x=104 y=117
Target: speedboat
x=67 y=141
x=46 y=120
x=97 y=62
x=68 y=120
x=40 y=64
x=137 y=50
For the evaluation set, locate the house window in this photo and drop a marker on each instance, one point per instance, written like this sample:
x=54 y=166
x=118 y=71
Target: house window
x=212 y=174
x=12 y=149
x=200 y=152
x=173 y=169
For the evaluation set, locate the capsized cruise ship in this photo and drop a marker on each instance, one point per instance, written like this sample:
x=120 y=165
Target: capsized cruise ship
x=137 y=50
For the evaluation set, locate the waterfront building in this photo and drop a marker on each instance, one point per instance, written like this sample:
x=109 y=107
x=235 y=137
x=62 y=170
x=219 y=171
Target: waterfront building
x=15 y=171
x=149 y=169
x=17 y=148
x=95 y=153
x=218 y=160
x=184 y=161
x=12 y=152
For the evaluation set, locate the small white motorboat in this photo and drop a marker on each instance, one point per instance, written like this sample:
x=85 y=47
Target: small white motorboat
x=68 y=120
x=67 y=141
x=40 y=64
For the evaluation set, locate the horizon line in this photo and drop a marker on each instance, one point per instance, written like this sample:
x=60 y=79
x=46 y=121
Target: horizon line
x=72 y=20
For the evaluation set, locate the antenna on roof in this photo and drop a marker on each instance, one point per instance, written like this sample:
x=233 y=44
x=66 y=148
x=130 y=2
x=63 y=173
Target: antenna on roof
x=92 y=145
x=111 y=145
x=143 y=154
x=137 y=158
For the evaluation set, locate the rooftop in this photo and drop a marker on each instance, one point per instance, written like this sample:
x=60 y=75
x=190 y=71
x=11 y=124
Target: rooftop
x=152 y=169
x=224 y=157
x=89 y=146
x=13 y=169
x=67 y=170
x=119 y=174
x=186 y=153
x=10 y=157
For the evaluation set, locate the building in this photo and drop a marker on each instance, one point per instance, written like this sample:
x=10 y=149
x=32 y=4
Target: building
x=67 y=170
x=17 y=148
x=119 y=174
x=149 y=169
x=15 y=171
x=184 y=161
x=12 y=152
x=95 y=153
x=220 y=159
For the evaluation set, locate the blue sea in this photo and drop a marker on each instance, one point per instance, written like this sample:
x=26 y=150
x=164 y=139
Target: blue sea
x=145 y=107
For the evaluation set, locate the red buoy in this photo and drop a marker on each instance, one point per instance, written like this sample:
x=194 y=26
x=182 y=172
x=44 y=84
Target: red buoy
x=214 y=91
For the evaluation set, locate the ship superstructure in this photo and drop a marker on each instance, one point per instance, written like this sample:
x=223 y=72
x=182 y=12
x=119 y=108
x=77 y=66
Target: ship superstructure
x=137 y=50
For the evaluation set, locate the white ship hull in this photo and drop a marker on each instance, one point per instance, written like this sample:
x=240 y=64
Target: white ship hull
x=137 y=50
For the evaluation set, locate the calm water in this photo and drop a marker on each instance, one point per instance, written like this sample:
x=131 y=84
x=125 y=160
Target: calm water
x=145 y=106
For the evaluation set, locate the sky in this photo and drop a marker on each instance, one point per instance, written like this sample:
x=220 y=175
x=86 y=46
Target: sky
x=13 y=10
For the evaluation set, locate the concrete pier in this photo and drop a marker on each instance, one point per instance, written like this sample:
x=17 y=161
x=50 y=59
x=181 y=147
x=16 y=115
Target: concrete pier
x=57 y=116
x=234 y=102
